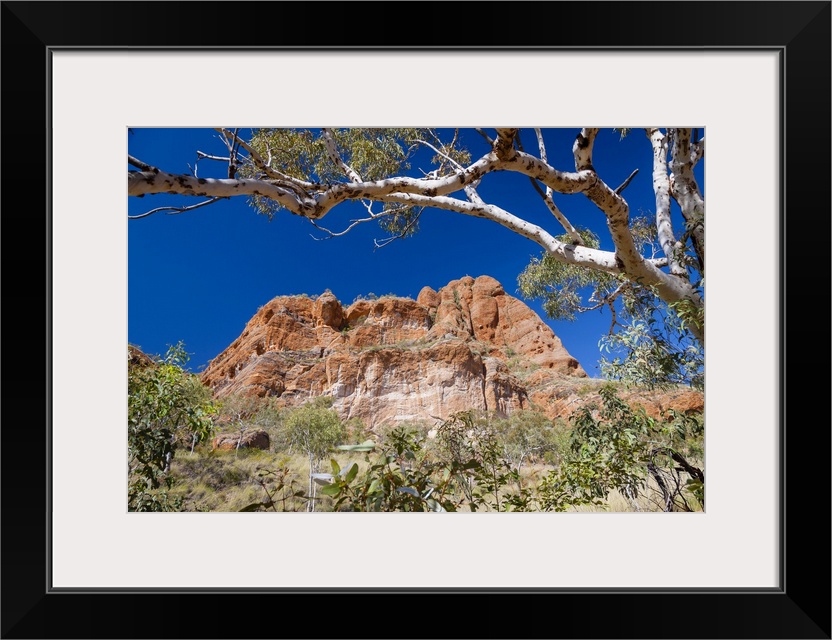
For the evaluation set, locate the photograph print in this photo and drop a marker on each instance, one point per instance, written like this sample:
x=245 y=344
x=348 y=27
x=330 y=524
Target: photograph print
x=416 y=319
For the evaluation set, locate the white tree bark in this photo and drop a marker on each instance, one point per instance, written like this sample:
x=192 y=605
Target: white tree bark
x=661 y=187
x=335 y=156
x=550 y=203
x=685 y=190
x=152 y=181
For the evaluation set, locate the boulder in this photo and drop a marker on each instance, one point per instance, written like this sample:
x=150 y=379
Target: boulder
x=251 y=439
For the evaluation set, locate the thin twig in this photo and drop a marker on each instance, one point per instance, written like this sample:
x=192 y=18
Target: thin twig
x=485 y=135
x=175 y=210
x=624 y=184
x=139 y=164
x=200 y=154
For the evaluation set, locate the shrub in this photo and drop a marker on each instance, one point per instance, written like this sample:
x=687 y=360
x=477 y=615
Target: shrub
x=167 y=408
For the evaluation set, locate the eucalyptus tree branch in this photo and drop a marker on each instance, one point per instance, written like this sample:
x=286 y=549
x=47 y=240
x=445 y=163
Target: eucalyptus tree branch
x=485 y=135
x=372 y=215
x=438 y=152
x=582 y=149
x=661 y=187
x=609 y=301
x=174 y=210
x=206 y=156
x=470 y=190
x=547 y=196
x=559 y=181
x=403 y=233
x=336 y=234
x=686 y=192
x=335 y=156
x=141 y=183
x=626 y=183
x=697 y=152
x=154 y=180
x=232 y=143
x=570 y=254
x=131 y=160
x=669 y=287
x=265 y=165
x=503 y=146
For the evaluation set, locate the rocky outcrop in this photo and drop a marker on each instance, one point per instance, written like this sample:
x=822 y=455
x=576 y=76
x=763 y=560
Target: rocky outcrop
x=392 y=360
x=251 y=439
x=481 y=310
x=138 y=358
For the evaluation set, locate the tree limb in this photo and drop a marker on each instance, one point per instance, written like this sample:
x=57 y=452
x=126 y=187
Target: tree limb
x=626 y=183
x=582 y=149
x=139 y=164
x=157 y=181
x=335 y=156
x=547 y=196
x=174 y=210
x=661 y=187
x=685 y=191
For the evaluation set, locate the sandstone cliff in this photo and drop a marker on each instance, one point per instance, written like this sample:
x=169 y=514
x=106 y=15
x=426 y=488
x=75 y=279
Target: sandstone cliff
x=467 y=346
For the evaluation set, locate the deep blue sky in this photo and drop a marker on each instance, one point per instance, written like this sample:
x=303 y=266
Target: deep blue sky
x=199 y=276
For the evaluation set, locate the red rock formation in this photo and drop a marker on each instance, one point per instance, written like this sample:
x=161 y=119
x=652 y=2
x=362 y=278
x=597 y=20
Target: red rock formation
x=394 y=359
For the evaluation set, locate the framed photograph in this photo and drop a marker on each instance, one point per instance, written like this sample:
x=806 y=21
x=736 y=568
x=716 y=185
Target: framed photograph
x=79 y=76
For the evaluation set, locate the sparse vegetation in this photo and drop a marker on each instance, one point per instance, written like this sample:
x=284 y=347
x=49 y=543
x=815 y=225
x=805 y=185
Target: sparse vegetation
x=601 y=453
x=606 y=456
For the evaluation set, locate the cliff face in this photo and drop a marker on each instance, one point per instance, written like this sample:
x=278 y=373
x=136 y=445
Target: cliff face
x=466 y=346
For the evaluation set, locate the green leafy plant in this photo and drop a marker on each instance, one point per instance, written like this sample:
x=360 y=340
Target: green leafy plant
x=617 y=448
x=399 y=479
x=167 y=408
x=314 y=429
x=281 y=489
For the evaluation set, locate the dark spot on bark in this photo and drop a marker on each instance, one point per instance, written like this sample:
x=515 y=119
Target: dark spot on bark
x=155 y=170
x=619 y=262
x=202 y=180
x=430 y=193
x=583 y=142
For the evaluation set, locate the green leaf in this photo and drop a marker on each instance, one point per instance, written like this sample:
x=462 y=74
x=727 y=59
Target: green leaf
x=330 y=490
x=335 y=468
x=254 y=506
x=352 y=473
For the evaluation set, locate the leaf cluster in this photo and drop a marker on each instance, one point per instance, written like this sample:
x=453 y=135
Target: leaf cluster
x=615 y=447
x=167 y=408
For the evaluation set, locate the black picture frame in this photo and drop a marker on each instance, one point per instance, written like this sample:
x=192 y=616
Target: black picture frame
x=799 y=608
